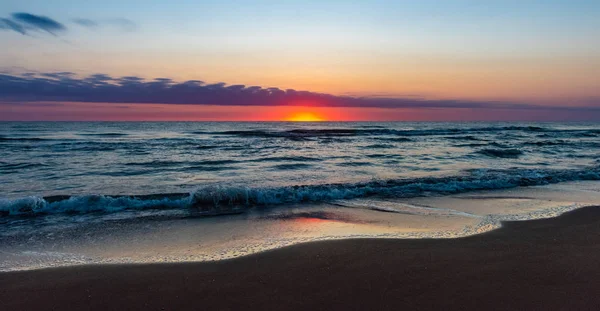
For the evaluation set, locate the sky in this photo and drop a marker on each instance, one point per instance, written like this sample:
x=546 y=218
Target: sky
x=452 y=60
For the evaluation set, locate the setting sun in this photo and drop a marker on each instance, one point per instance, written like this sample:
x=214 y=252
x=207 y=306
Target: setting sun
x=304 y=117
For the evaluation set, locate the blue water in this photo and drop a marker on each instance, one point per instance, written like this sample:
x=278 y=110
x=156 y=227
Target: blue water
x=212 y=168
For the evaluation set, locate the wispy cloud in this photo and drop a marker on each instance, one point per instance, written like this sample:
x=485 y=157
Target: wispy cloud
x=39 y=22
x=25 y=23
x=122 y=24
x=8 y=24
x=85 y=22
x=102 y=88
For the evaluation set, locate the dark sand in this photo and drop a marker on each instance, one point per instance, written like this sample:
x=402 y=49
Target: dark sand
x=547 y=264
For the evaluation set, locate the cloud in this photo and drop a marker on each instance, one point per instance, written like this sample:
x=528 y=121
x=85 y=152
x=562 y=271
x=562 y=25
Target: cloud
x=8 y=24
x=121 y=24
x=24 y=23
x=38 y=22
x=85 y=22
x=102 y=88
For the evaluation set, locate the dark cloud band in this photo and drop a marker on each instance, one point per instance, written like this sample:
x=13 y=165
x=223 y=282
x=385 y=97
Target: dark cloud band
x=102 y=88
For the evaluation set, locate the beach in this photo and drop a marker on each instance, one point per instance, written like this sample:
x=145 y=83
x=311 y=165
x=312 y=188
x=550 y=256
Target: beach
x=299 y=155
x=529 y=265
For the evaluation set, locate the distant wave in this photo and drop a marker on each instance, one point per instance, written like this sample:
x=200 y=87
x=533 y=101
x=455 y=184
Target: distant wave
x=354 y=163
x=104 y=134
x=291 y=166
x=179 y=163
x=560 y=142
x=379 y=146
x=468 y=137
x=547 y=142
x=378 y=131
x=89 y=146
x=17 y=139
x=157 y=163
x=501 y=153
x=472 y=145
x=395 y=139
x=17 y=166
x=222 y=199
x=205 y=147
x=588 y=134
x=379 y=155
x=288 y=158
x=398 y=135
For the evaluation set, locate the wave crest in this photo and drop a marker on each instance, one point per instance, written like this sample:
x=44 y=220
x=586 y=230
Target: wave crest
x=218 y=199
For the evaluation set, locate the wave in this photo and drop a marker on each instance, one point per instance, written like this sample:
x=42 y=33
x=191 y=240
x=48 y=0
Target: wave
x=483 y=144
x=17 y=139
x=400 y=135
x=159 y=163
x=472 y=145
x=88 y=146
x=560 y=142
x=8 y=166
x=209 y=168
x=468 y=137
x=206 y=147
x=378 y=131
x=588 y=134
x=85 y=204
x=288 y=158
x=380 y=156
x=501 y=153
x=394 y=139
x=372 y=126
x=223 y=199
x=354 y=163
x=547 y=142
x=379 y=146
x=104 y=134
x=526 y=128
x=291 y=166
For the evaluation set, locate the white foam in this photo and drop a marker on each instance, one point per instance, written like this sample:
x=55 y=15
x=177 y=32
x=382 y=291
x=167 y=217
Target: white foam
x=204 y=239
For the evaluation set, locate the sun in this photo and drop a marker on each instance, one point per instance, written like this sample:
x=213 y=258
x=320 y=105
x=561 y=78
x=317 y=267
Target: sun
x=304 y=117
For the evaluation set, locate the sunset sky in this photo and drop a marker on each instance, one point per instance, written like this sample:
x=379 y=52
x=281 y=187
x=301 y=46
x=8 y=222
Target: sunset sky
x=300 y=60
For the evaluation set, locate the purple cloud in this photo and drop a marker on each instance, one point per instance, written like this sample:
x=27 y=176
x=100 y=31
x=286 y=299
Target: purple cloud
x=102 y=88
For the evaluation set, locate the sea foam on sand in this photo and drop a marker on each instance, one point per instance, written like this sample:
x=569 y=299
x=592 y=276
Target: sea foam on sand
x=145 y=240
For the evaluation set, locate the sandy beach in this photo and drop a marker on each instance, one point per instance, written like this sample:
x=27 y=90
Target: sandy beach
x=299 y=155
x=533 y=265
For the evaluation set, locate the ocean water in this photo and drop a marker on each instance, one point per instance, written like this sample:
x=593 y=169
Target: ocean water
x=271 y=184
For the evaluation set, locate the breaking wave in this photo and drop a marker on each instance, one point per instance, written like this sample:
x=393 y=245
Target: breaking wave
x=223 y=199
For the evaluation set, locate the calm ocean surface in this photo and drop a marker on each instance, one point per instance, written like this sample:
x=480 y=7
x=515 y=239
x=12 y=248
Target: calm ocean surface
x=85 y=192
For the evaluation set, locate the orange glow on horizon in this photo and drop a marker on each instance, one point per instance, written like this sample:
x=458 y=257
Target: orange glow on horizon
x=304 y=117
x=76 y=111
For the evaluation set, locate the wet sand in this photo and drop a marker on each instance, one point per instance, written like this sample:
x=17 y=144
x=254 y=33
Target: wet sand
x=549 y=264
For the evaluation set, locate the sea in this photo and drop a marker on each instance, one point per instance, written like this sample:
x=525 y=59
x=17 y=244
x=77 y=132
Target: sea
x=147 y=192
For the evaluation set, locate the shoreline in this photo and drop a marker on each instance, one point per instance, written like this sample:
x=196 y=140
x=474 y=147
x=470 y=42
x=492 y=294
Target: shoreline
x=550 y=263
